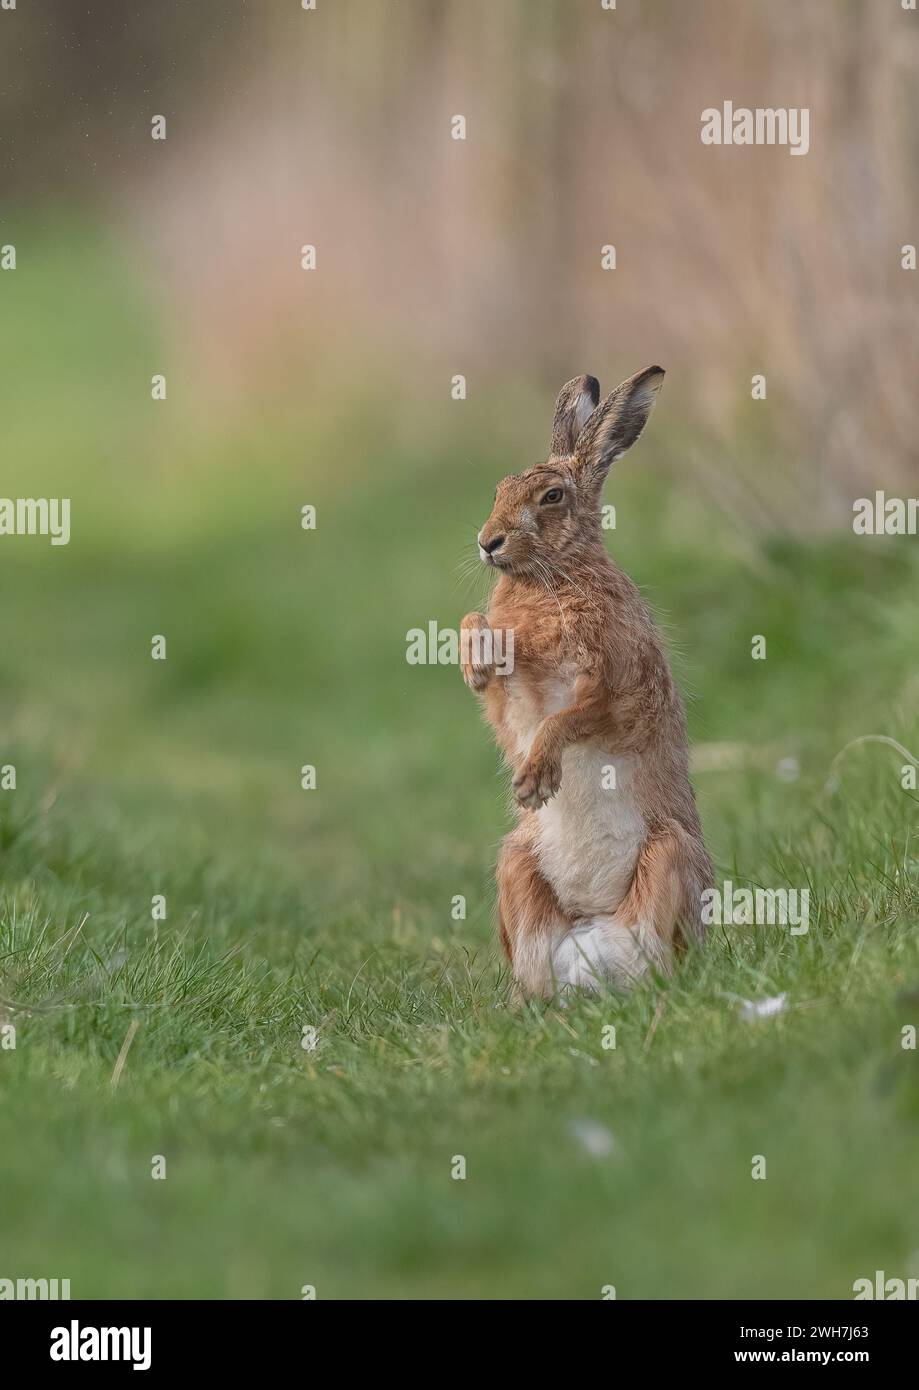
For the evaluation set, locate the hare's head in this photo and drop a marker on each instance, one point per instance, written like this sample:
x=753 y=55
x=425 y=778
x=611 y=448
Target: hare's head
x=542 y=515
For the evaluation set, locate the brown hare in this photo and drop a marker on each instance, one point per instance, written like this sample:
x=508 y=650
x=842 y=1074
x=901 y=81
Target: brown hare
x=603 y=874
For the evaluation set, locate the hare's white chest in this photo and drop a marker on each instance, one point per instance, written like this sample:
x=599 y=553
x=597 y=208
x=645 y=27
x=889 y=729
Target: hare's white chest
x=589 y=834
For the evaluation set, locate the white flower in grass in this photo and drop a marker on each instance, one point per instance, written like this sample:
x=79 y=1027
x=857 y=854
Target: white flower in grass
x=751 y=1009
x=593 y=1138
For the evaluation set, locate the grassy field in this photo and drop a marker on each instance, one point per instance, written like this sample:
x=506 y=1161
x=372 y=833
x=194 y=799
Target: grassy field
x=330 y=909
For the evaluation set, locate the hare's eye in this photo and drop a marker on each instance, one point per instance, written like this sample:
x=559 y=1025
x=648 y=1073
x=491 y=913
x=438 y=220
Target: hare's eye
x=555 y=494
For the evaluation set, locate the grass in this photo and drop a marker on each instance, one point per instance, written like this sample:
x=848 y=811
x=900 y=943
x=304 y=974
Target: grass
x=331 y=909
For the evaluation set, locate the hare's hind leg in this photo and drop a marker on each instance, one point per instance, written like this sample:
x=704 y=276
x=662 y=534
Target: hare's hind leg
x=530 y=918
x=661 y=910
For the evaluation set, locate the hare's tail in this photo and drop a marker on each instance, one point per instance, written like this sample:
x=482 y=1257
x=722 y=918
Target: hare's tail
x=660 y=912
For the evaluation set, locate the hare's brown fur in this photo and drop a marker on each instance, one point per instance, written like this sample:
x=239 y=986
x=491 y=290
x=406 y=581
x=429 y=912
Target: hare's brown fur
x=596 y=880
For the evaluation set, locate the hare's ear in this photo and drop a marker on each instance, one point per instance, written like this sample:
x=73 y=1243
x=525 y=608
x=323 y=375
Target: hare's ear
x=574 y=406
x=616 y=424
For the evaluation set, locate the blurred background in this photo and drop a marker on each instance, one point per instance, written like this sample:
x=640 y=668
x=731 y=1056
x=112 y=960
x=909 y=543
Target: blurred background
x=332 y=387
x=483 y=256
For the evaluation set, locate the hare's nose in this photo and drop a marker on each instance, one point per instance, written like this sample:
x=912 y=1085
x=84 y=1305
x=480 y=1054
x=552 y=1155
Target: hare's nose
x=491 y=546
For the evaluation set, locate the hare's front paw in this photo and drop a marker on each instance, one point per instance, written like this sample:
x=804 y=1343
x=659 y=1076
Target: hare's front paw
x=537 y=781
x=476 y=651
